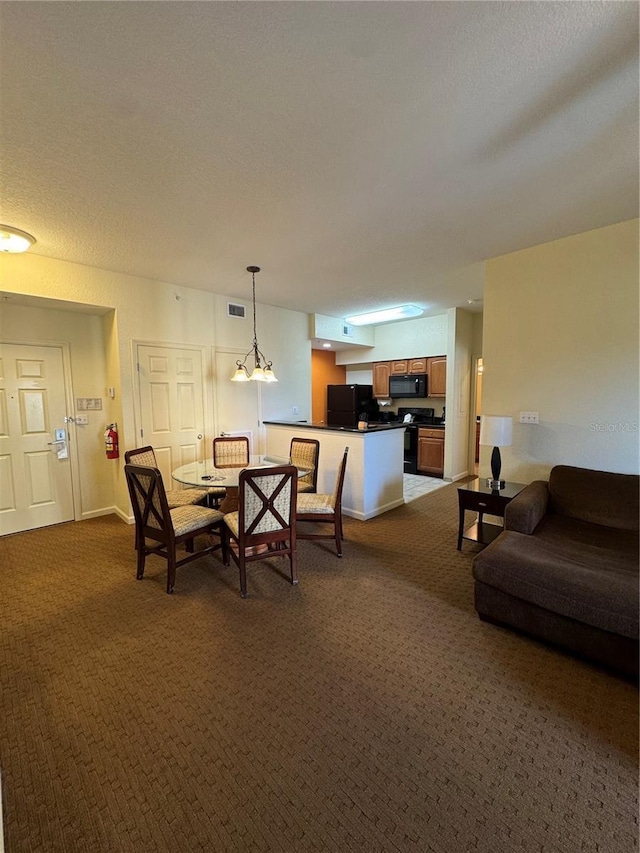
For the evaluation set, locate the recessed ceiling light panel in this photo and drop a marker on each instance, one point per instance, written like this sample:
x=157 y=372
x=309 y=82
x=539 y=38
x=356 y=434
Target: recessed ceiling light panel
x=401 y=312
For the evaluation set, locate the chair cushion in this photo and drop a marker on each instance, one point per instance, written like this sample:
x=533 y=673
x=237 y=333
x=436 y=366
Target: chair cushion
x=185 y=497
x=316 y=503
x=231 y=519
x=217 y=491
x=304 y=487
x=188 y=518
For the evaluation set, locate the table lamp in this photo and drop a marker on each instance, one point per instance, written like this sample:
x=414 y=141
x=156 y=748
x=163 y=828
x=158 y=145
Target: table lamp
x=496 y=430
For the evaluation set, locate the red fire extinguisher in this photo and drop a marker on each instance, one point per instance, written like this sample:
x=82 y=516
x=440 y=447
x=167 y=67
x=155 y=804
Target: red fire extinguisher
x=111 y=441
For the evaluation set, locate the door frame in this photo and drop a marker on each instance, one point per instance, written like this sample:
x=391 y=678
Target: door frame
x=205 y=359
x=70 y=425
x=475 y=363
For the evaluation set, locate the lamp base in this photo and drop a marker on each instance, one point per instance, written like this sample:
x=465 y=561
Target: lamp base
x=495 y=484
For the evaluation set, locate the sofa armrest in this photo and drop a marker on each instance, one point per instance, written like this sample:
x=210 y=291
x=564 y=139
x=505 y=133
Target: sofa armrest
x=526 y=510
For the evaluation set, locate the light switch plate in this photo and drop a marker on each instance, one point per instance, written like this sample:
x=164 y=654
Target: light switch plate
x=83 y=420
x=529 y=417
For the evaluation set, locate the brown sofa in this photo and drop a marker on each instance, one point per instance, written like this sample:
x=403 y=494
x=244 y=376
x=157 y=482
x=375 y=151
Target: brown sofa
x=565 y=569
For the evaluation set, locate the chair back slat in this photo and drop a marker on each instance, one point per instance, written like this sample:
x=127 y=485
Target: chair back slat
x=148 y=498
x=230 y=451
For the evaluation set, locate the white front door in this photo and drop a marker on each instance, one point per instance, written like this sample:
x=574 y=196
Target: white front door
x=172 y=405
x=35 y=484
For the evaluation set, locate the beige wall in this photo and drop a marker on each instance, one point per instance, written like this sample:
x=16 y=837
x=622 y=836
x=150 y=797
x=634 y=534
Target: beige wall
x=406 y=339
x=153 y=311
x=561 y=338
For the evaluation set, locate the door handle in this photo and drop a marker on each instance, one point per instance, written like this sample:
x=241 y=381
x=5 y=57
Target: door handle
x=199 y=435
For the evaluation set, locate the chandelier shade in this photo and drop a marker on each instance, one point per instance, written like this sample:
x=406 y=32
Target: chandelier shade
x=259 y=373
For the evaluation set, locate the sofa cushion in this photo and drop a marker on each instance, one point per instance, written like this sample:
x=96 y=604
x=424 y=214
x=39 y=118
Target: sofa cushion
x=596 y=496
x=583 y=571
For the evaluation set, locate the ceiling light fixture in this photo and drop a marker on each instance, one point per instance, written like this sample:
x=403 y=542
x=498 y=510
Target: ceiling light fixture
x=259 y=373
x=401 y=312
x=327 y=346
x=13 y=240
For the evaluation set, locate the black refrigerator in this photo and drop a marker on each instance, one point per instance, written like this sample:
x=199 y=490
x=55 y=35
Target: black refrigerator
x=345 y=404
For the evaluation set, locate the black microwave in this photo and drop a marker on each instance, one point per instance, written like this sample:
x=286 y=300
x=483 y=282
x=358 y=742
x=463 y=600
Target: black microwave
x=415 y=385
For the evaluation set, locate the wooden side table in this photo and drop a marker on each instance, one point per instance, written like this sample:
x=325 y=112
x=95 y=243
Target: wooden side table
x=477 y=496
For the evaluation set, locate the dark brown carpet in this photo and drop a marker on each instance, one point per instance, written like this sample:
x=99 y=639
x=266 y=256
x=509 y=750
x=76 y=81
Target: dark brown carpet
x=367 y=709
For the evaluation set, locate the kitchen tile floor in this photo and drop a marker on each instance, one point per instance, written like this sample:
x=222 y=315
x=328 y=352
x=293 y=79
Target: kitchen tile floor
x=416 y=485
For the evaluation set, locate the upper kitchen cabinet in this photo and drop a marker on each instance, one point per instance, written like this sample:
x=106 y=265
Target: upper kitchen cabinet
x=381 y=373
x=437 y=373
x=406 y=366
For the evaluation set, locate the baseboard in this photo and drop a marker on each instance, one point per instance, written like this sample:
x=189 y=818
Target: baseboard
x=96 y=513
x=110 y=510
x=365 y=516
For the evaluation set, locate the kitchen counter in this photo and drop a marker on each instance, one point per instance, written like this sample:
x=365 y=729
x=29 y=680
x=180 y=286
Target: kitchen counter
x=375 y=466
x=413 y=424
x=377 y=427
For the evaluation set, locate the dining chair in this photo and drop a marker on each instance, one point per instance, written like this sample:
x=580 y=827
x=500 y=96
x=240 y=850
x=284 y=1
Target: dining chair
x=263 y=527
x=324 y=509
x=175 y=497
x=168 y=528
x=304 y=453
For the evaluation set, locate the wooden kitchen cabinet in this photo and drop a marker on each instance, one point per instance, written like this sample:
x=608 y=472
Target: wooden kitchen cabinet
x=417 y=365
x=381 y=372
x=437 y=373
x=431 y=451
x=406 y=366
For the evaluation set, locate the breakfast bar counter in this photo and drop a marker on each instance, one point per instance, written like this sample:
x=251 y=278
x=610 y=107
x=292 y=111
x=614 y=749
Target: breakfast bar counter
x=374 y=477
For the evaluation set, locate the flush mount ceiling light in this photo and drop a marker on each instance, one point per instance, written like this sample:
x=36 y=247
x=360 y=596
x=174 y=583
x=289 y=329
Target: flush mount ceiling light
x=259 y=373
x=401 y=312
x=327 y=346
x=13 y=240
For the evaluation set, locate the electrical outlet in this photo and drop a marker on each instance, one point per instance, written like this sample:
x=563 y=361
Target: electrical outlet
x=529 y=417
x=295 y=410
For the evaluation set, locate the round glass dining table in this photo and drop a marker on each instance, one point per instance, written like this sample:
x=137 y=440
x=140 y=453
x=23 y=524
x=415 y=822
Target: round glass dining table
x=204 y=475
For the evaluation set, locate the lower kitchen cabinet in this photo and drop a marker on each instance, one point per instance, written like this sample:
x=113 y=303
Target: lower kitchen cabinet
x=431 y=451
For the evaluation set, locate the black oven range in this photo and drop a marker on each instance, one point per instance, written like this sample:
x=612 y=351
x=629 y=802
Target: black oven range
x=418 y=416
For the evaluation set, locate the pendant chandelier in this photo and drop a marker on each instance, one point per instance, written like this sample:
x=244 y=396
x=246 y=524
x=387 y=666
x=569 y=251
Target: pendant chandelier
x=259 y=373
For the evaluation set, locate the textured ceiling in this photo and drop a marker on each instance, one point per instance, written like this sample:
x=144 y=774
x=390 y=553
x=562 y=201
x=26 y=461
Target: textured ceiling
x=363 y=154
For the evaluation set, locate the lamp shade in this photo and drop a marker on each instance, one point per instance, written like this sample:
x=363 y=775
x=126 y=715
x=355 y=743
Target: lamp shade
x=496 y=430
